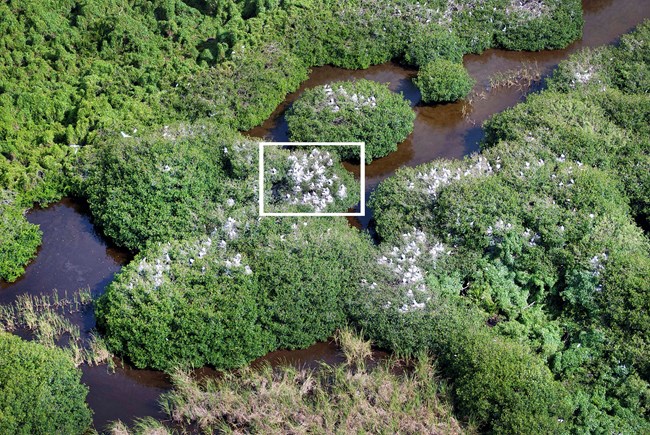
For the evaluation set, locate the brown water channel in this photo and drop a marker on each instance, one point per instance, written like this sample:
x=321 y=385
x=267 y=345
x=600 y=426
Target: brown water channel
x=74 y=256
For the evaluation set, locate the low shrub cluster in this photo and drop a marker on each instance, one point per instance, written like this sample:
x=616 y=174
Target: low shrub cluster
x=596 y=112
x=538 y=25
x=18 y=238
x=40 y=390
x=191 y=303
x=248 y=288
x=442 y=81
x=131 y=65
x=357 y=111
x=166 y=184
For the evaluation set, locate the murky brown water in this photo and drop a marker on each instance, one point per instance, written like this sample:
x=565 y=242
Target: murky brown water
x=73 y=255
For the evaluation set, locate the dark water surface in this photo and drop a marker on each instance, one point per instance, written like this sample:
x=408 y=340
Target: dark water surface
x=74 y=256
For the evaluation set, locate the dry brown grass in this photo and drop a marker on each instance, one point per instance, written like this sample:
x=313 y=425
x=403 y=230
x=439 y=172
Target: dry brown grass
x=331 y=400
x=356 y=350
x=146 y=426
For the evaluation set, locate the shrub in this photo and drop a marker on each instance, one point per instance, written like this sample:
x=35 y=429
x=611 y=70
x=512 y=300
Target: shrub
x=582 y=127
x=498 y=384
x=18 y=241
x=309 y=274
x=390 y=304
x=190 y=303
x=243 y=92
x=164 y=185
x=40 y=390
x=307 y=181
x=406 y=199
x=442 y=80
x=250 y=287
x=438 y=43
x=541 y=25
x=629 y=65
x=357 y=111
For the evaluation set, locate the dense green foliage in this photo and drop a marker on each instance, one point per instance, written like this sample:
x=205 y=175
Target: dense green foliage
x=358 y=111
x=70 y=70
x=189 y=303
x=251 y=287
x=542 y=244
x=605 y=113
x=442 y=81
x=537 y=25
x=165 y=184
x=40 y=390
x=559 y=272
x=498 y=383
x=435 y=44
x=18 y=239
x=242 y=92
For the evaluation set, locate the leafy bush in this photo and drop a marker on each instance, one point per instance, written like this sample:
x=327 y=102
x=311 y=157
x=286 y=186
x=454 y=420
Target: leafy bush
x=40 y=390
x=543 y=249
x=309 y=273
x=442 y=80
x=585 y=128
x=357 y=111
x=244 y=92
x=250 y=287
x=18 y=241
x=541 y=25
x=406 y=199
x=499 y=385
x=389 y=305
x=165 y=184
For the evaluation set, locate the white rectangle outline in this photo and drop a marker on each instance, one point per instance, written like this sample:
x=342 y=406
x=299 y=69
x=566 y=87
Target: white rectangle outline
x=362 y=177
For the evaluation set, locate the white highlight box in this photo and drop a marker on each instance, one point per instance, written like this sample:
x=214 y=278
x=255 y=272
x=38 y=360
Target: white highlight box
x=362 y=177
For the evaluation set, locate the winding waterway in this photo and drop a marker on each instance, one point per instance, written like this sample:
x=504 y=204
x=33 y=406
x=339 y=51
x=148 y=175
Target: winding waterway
x=73 y=255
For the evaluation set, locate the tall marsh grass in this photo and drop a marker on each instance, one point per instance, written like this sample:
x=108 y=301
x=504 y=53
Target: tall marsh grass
x=332 y=400
x=46 y=319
